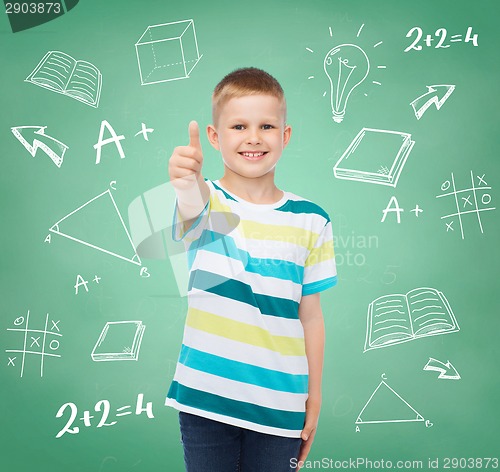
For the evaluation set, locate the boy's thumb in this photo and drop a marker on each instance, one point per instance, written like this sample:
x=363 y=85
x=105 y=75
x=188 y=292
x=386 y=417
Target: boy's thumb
x=305 y=433
x=194 y=135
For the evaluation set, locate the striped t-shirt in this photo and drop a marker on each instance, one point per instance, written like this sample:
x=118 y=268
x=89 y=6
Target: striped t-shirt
x=242 y=359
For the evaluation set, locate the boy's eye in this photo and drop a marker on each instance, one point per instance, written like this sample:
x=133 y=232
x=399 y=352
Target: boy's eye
x=242 y=127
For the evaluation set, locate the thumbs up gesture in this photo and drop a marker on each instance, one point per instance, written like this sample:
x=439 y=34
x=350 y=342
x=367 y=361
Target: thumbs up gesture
x=184 y=166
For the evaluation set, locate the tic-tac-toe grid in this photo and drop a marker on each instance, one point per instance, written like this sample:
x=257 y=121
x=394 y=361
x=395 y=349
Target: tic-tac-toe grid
x=35 y=342
x=467 y=201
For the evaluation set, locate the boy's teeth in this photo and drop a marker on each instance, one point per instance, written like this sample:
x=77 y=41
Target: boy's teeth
x=253 y=154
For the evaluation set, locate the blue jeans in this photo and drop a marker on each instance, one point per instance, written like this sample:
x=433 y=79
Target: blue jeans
x=211 y=446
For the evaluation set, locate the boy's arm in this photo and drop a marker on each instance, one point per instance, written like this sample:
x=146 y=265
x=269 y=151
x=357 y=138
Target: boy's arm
x=184 y=168
x=311 y=317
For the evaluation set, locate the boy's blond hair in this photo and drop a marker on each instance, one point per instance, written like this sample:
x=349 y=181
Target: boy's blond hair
x=242 y=82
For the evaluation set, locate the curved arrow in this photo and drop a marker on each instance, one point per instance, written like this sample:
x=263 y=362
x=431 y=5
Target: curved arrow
x=446 y=371
x=437 y=94
x=36 y=135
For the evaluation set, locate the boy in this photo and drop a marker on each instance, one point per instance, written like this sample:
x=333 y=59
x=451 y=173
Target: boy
x=248 y=378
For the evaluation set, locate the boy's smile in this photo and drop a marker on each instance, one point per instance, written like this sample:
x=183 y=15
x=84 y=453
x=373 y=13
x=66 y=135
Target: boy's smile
x=251 y=134
x=253 y=156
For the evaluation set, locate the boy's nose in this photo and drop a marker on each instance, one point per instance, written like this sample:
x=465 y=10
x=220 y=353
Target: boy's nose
x=253 y=137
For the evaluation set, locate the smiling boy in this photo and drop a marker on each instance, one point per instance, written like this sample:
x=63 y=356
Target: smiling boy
x=248 y=379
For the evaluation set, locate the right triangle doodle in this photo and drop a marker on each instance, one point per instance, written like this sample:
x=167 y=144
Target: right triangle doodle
x=385 y=405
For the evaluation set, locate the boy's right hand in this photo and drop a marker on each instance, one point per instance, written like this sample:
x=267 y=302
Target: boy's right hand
x=184 y=166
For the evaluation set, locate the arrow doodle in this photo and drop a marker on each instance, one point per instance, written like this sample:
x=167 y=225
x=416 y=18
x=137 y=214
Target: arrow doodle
x=437 y=94
x=36 y=135
x=446 y=371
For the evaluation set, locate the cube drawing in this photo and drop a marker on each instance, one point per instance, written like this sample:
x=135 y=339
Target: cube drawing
x=167 y=52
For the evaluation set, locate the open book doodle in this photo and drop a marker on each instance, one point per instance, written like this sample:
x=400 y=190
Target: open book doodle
x=376 y=156
x=119 y=341
x=394 y=319
x=60 y=73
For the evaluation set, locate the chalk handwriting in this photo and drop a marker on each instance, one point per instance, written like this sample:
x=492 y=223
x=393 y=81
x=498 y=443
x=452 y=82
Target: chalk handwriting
x=104 y=408
x=440 y=36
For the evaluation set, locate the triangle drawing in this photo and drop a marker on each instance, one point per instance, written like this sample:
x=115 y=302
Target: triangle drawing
x=387 y=406
x=99 y=225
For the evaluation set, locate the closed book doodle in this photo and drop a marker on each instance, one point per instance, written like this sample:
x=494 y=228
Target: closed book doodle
x=375 y=156
x=119 y=341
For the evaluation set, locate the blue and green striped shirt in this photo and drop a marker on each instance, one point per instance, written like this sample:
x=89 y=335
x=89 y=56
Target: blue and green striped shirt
x=242 y=360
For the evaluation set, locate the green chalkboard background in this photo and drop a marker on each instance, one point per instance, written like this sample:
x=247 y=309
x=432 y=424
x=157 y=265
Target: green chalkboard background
x=290 y=40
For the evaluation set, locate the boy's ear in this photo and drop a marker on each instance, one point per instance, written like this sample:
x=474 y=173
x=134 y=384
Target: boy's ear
x=213 y=137
x=287 y=134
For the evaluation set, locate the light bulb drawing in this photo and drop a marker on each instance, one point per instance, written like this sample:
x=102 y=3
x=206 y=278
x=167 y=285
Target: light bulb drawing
x=346 y=67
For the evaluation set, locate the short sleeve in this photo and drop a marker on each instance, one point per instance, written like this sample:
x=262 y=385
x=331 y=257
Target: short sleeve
x=320 y=271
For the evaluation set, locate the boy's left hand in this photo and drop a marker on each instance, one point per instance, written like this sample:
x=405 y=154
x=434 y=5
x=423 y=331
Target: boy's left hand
x=312 y=415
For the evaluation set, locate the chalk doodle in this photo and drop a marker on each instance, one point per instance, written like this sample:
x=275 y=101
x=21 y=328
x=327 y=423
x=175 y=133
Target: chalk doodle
x=417 y=210
x=440 y=35
x=39 y=343
x=61 y=73
x=104 y=408
x=144 y=131
x=119 y=341
x=392 y=207
x=446 y=370
x=466 y=202
x=103 y=210
x=398 y=318
x=81 y=282
x=346 y=66
x=375 y=156
x=39 y=140
x=166 y=52
x=385 y=405
x=115 y=139
x=436 y=94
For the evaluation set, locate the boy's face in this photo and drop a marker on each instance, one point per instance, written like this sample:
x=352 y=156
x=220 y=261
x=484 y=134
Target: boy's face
x=250 y=134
